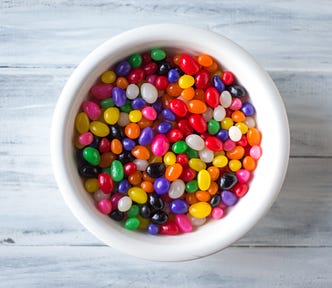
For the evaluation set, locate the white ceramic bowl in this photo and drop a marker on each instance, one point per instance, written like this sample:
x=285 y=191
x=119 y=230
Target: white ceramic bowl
x=268 y=177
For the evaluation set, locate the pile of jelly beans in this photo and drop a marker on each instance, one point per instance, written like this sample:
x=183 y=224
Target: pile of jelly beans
x=166 y=142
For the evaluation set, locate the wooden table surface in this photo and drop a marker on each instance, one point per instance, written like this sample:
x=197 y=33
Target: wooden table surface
x=43 y=245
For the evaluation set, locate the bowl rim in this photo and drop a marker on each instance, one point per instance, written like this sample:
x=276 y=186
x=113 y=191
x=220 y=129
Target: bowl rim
x=186 y=246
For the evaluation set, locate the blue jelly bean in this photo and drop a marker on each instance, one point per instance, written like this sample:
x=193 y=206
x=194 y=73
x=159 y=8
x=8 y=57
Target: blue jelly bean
x=228 y=198
x=119 y=96
x=158 y=105
x=173 y=76
x=248 y=109
x=138 y=104
x=179 y=206
x=167 y=114
x=164 y=127
x=153 y=229
x=161 y=185
x=222 y=135
x=123 y=186
x=218 y=84
x=128 y=144
x=122 y=68
x=146 y=136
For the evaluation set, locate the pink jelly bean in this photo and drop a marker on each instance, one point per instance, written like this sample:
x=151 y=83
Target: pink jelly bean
x=236 y=104
x=92 y=109
x=151 y=78
x=85 y=138
x=183 y=223
x=149 y=113
x=159 y=145
x=101 y=91
x=229 y=145
x=104 y=206
x=217 y=213
x=115 y=199
x=256 y=152
x=243 y=175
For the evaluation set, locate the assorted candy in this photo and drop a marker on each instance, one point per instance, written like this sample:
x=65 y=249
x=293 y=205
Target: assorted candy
x=166 y=142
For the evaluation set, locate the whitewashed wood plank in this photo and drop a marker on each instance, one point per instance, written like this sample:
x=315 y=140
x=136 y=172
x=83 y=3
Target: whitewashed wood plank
x=301 y=215
x=280 y=34
x=104 y=267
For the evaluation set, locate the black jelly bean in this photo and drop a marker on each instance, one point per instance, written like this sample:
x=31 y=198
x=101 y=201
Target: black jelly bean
x=156 y=202
x=156 y=170
x=160 y=217
x=237 y=90
x=145 y=211
x=126 y=157
x=117 y=215
x=215 y=200
x=95 y=142
x=163 y=68
x=89 y=171
x=116 y=132
x=227 y=181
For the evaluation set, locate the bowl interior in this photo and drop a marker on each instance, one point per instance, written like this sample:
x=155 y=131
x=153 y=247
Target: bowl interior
x=271 y=121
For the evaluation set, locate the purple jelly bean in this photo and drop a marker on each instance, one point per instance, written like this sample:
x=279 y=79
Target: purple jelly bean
x=119 y=96
x=168 y=114
x=128 y=144
x=248 y=109
x=161 y=185
x=228 y=198
x=123 y=186
x=222 y=135
x=179 y=206
x=164 y=127
x=146 y=136
x=158 y=105
x=173 y=75
x=153 y=229
x=218 y=84
x=138 y=104
x=122 y=68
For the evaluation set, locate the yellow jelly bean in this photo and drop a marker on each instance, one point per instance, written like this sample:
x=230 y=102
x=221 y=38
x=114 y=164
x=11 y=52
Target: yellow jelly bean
x=169 y=158
x=219 y=153
x=82 y=122
x=197 y=164
x=243 y=127
x=220 y=161
x=135 y=116
x=112 y=115
x=186 y=81
x=138 y=195
x=108 y=77
x=200 y=209
x=99 y=129
x=227 y=123
x=235 y=165
x=203 y=180
x=91 y=185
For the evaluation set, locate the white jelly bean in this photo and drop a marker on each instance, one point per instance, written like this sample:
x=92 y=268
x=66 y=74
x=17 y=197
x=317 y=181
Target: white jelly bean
x=123 y=119
x=234 y=133
x=132 y=91
x=226 y=99
x=206 y=155
x=196 y=221
x=176 y=189
x=195 y=142
x=124 y=204
x=141 y=164
x=208 y=114
x=219 y=113
x=250 y=122
x=149 y=93
x=99 y=195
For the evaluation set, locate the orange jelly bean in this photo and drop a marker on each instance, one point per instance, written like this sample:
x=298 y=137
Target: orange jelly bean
x=173 y=172
x=135 y=178
x=176 y=59
x=141 y=152
x=205 y=60
x=188 y=93
x=253 y=137
x=238 y=116
x=191 y=198
x=213 y=67
x=146 y=177
x=200 y=94
x=147 y=186
x=236 y=154
x=122 y=82
x=196 y=106
x=214 y=173
x=249 y=163
x=165 y=100
x=203 y=196
x=174 y=90
x=143 y=123
x=116 y=146
x=213 y=189
x=106 y=159
x=132 y=130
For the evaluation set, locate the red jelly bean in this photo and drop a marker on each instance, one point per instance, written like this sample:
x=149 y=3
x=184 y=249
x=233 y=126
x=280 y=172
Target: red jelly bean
x=202 y=79
x=150 y=68
x=104 y=145
x=198 y=123
x=228 y=78
x=188 y=174
x=212 y=97
x=178 y=107
x=169 y=228
x=243 y=141
x=146 y=58
x=161 y=82
x=174 y=135
x=185 y=127
x=214 y=144
x=105 y=182
x=136 y=75
x=101 y=91
x=129 y=168
x=188 y=64
x=182 y=159
x=240 y=189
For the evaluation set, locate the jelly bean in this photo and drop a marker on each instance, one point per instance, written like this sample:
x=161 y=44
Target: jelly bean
x=122 y=68
x=141 y=164
x=155 y=201
x=161 y=185
x=204 y=60
x=229 y=145
x=116 y=171
x=150 y=68
x=227 y=123
x=212 y=97
x=215 y=200
x=91 y=155
x=182 y=159
x=214 y=172
x=159 y=145
x=132 y=131
x=119 y=96
x=112 y=115
x=176 y=189
x=164 y=127
x=158 y=105
x=169 y=158
x=178 y=107
x=253 y=137
x=225 y=99
x=144 y=123
x=220 y=161
x=91 y=109
x=238 y=116
x=179 y=147
x=255 y=152
x=116 y=146
x=105 y=183
x=203 y=180
x=250 y=122
x=213 y=127
x=236 y=104
x=206 y=155
x=104 y=206
x=132 y=91
x=117 y=215
x=129 y=168
x=179 y=206
x=219 y=113
x=99 y=195
x=101 y=91
x=188 y=93
x=88 y=171
x=195 y=142
x=228 y=198
x=173 y=172
x=149 y=113
x=126 y=157
x=163 y=68
x=243 y=128
x=191 y=198
x=208 y=114
x=237 y=91
x=123 y=186
x=184 y=223
x=196 y=106
x=197 y=164
x=186 y=81
x=240 y=189
x=218 y=84
x=153 y=229
x=155 y=170
x=132 y=223
x=167 y=114
x=234 y=133
x=158 y=54
x=85 y=138
x=122 y=82
x=188 y=64
x=135 y=60
x=237 y=153
x=174 y=135
x=82 y=123
x=124 y=204
x=135 y=116
x=159 y=217
x=169 y=228
x=133 y=211
x=141 y=152
x=106 y=159
x=243 y=176
x=198 y=123
x=203 y=196
x=185 y=128
x=173 y=75
x=138 y=195
x=146 y=136
x=228 y=77
x=91 y=185
x=128 y=144
x=200 y=210
x=106 y=103
x=214 y=144
x=202 y=79
x=217 y=213
x=149 y=92
x=192 y=186
x=161 y=83
x=138 y=103
x=147 y=186
x=135 y=178
x=222 y=135
x=196 y=221
x=249 y=163
x=191 y=153
x=234 y=165
x=227 y=181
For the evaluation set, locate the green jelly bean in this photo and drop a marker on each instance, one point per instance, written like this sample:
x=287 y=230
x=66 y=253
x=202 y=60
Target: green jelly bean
x=179 y=147
x=191 y=153
x=107 y=103
x=158 y=54
x=213 y=127
x=192 y=186
x=127 y=107
x=135 y=60
x=133 y=211
x=91 y=155
x=116 y=171
x=132 y=223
